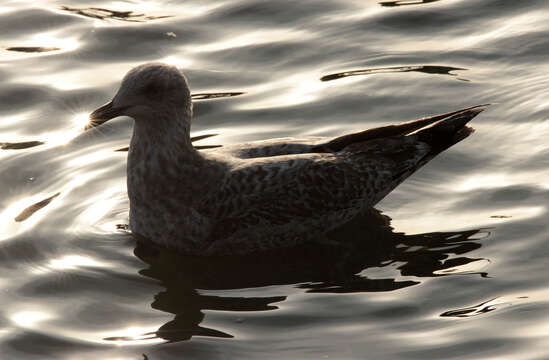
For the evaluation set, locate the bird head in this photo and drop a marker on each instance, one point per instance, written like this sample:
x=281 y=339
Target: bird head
x=148 y=93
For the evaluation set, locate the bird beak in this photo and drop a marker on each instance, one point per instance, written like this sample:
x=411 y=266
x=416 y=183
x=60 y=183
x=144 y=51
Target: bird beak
x=103 y=114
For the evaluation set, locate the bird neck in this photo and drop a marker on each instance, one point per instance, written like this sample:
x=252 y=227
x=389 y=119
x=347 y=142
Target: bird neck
x=160 y=156
x=167 y=134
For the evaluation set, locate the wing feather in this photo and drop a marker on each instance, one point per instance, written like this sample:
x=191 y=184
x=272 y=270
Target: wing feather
x=284 y=190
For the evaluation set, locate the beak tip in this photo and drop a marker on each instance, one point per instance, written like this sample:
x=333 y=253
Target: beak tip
x=101 y=115
x=93 y=122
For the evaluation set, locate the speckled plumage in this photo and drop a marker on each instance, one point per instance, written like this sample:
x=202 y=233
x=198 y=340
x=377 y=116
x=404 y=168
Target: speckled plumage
x=259 y=195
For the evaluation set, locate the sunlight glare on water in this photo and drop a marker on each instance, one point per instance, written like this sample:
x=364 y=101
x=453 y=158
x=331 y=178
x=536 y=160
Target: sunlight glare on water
x=73 y=261
x=30 y=319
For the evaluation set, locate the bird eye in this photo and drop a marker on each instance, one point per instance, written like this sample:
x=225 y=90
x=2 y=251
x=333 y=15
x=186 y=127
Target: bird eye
x=152 y=89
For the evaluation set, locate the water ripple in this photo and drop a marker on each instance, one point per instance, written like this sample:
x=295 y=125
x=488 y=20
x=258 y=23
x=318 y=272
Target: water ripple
x=107 y=14
x=429 y=69
x=470 y=226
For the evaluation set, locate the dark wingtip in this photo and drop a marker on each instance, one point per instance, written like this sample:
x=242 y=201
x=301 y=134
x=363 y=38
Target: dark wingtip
x=338 y=143
x=479 y=108
x=450 y=130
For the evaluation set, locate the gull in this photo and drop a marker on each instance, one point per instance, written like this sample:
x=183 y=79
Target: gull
x=260 y=195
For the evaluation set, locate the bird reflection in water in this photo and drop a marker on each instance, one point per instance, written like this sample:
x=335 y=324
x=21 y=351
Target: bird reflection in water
x=330 y=266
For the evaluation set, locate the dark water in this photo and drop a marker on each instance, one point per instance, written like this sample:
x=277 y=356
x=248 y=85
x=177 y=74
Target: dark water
x=458 y=273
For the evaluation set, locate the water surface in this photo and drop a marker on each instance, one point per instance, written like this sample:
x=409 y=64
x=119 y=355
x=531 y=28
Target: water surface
x=452 y=264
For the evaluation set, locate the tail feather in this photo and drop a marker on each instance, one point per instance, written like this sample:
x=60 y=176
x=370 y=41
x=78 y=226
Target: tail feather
x=441 y=135
x=339 y=143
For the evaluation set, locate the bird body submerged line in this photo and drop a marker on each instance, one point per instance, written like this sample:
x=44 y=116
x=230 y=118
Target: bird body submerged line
x=259 y=195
